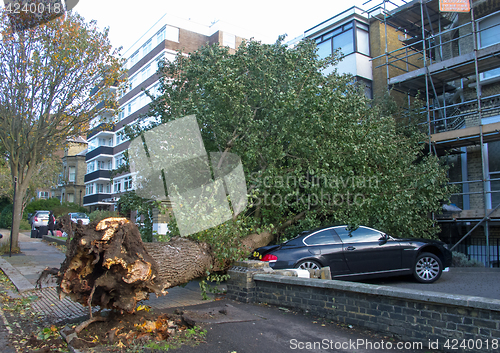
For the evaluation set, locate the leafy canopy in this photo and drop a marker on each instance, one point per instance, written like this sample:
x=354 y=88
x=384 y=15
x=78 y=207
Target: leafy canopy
x=54 y=78
x=313 y=148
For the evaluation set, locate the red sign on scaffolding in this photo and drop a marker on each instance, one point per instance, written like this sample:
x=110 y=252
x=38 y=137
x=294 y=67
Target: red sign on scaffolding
x=454 y=5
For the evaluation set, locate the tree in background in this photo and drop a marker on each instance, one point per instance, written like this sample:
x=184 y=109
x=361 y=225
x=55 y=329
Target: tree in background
x=54 y=78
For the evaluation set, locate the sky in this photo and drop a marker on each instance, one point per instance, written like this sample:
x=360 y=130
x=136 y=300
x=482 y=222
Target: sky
x=267 y=19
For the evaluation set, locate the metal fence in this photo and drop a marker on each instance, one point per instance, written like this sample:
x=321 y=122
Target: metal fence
x=475 y=248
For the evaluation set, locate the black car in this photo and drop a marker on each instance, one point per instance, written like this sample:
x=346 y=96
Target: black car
x=359 y=254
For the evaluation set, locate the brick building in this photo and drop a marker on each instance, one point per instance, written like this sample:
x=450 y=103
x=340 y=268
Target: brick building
x=106 y=142
x=450 y=60
x=71 y=186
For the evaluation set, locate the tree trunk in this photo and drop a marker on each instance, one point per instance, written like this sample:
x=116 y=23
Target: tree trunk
x=108 y=265
x=17 y=214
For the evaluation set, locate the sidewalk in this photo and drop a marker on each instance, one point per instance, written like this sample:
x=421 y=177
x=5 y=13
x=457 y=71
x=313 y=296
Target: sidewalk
x=25 y=268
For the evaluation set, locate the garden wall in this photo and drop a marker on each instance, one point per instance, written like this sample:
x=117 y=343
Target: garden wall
x=451 y=322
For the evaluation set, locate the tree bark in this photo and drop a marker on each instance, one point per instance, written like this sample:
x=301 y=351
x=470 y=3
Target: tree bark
x=107 y=264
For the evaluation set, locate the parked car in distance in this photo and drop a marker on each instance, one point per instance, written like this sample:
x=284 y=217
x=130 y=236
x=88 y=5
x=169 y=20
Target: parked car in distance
x=39 y=219
x=79 y=216
x=359 y=254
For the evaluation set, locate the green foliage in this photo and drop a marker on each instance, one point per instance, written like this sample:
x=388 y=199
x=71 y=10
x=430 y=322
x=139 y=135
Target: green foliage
x=67 y=207
x=99 y=215
x=314 y=150
x=4 y=201
x=24 y=225
x=130 y=201
x=461 y=260
x=6 y=217
x=41 y=204
x=213 y=288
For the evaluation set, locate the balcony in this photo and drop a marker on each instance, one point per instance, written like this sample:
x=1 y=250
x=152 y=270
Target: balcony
x=101 y=173
x=106 y=126
x=99 y=150
x=97 y=198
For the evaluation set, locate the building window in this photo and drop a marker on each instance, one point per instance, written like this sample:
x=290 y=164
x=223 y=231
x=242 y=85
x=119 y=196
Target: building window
x=100 y=188
x=132 y=82
x=146 y=48
x=71 y=197
x=134 y=58
x=340 y=38
x=72 y=174
x=117 y=186
x=127 y=183
x=160 y=36
x=90 y=167
x=488 y=29
x=119 y=161
x=494 y=172
x=108 y=188
x=146 y=72
x=362 y=39
x=89 y=189
x=43 y=195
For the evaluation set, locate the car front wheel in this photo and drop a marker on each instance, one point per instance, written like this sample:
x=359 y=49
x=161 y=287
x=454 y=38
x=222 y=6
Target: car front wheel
x=308 y=265
x=428 y=268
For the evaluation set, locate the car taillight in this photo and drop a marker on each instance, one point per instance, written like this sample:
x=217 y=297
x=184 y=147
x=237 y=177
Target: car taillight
x=36 y=219
x=270 y=258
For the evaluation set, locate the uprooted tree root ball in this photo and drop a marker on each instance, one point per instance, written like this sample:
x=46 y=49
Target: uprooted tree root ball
x=106 y=265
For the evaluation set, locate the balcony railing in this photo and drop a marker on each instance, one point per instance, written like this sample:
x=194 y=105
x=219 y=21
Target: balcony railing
x=100 y=173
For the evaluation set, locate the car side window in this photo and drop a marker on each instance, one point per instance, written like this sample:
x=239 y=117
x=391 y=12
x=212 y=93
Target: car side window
x=322 y=237
x=361 y=234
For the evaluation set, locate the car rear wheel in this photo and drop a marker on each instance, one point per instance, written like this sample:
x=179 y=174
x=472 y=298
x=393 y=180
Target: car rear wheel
x=308 y=265
x=428 y=268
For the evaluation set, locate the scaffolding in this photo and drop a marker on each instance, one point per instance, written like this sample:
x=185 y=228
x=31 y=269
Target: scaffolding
x=451 y=62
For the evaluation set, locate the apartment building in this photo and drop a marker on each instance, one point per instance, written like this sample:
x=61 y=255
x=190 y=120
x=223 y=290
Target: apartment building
x=106 y=142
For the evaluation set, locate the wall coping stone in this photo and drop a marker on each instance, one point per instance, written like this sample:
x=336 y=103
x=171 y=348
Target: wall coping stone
x=424 y=296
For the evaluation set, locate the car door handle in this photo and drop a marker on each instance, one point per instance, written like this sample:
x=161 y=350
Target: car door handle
x=350 y=248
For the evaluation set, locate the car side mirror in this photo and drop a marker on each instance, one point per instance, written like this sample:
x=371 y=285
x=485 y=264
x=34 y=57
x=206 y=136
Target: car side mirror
x=383 y=239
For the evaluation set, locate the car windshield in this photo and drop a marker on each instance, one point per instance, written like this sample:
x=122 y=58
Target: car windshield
x=42 y=213
x=79 y=215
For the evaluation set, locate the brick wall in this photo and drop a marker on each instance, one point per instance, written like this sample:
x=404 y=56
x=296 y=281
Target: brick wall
x=409 y=314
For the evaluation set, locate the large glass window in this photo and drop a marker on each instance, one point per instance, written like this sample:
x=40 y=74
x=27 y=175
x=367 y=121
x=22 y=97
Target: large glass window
x=344 y=42
x=325 y=49
x=488 y=31
x=488 y=35
x=343 y=38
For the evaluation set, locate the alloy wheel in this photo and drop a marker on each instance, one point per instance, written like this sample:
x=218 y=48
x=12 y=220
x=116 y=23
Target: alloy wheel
x=427 y=268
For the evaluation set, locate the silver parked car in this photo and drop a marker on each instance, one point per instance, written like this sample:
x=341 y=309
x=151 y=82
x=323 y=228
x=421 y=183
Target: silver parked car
x=39 y=219
x=79 y=216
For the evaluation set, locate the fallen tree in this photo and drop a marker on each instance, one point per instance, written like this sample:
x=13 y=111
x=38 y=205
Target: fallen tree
x=108 y=265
